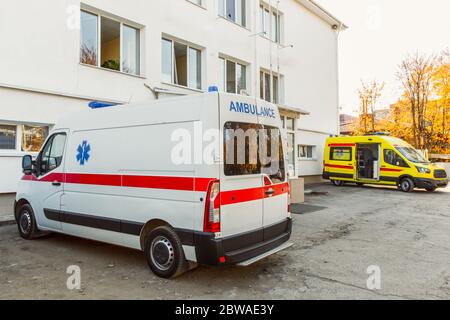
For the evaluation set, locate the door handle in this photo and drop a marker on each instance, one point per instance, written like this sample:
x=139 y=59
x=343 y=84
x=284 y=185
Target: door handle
x=270 y=192
x=56 y=183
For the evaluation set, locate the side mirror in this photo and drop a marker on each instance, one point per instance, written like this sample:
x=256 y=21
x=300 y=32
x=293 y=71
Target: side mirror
x=27 y=164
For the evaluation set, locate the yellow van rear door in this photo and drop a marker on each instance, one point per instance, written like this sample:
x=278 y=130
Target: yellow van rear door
x=341 y=161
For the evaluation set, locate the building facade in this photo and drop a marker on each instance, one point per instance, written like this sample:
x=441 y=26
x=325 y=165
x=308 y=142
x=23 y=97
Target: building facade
x=58 y=56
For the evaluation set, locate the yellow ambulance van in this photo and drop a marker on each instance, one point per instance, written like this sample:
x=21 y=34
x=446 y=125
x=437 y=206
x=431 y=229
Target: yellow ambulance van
x=380 y=159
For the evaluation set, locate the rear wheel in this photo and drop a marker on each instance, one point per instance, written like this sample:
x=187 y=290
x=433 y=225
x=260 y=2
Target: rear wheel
x=359 y=184
x=26 y=223
x=164 y=253
x=406 y=185
x=338 y=183
x=432 y=189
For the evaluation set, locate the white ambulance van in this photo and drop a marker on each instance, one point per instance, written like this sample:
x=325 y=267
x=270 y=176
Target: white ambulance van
x=118 y=175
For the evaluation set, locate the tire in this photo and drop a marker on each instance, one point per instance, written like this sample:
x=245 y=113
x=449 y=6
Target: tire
x=433 y=189
x=338 y=183
x=26 y=223
x=406 y=185
x=359 y=184
x=164 y=253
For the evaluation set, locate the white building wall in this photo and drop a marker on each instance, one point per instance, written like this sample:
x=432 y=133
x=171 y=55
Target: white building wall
x=39 y=57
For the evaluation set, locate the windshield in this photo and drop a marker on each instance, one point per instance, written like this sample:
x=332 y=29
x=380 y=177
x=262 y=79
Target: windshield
x=412 y=155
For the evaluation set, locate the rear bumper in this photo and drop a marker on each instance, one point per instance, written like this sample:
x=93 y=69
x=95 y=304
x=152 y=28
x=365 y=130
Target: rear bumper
x=430 y=183
x=241 y=247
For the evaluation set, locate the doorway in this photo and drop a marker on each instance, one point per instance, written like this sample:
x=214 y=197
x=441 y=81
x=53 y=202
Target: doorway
x=368 y=161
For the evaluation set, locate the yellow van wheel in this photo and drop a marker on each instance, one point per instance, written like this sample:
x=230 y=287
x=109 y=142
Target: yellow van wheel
x=433 y=189
x=406 y=185
x=338 y=183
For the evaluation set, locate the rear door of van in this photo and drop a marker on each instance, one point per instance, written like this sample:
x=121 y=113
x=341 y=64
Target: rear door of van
x=273 y=165
x=241 y=184
x=341 y=160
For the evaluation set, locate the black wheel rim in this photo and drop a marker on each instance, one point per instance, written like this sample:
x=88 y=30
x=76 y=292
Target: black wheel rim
x=162 y=253
x=25 y=222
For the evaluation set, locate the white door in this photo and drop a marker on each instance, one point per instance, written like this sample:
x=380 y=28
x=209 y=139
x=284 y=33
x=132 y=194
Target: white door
x=273 y=167
x=241 y=188
x=48 y=181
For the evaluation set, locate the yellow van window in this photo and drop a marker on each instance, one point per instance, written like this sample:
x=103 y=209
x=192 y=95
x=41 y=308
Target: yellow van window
x=391 y=157
x=341 y=154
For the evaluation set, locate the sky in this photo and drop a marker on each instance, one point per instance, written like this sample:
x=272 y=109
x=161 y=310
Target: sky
x=381 y=34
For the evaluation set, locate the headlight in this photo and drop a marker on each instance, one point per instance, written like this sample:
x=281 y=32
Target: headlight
x=423 y=170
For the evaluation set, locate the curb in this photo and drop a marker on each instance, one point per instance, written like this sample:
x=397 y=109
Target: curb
x=7 y=220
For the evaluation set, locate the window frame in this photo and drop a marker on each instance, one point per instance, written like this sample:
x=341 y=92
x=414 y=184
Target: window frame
x=188 y=48
x=223 y=67
x=40 y=155
x=16 y=137
x=259 y=167
x=313 y=155
x=342 y=160
x=122 y=22
x=266 y=29
x=18 y=150
x=262 y=77
x=243 y=15
x=403 y=163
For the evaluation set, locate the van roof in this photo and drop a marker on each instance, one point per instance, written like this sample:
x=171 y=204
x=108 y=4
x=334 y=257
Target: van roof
x=373 y=138
x=154 y=111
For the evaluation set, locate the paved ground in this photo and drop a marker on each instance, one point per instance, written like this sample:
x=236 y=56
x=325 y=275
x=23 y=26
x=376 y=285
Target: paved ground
x=6 y=207
x=406 y=235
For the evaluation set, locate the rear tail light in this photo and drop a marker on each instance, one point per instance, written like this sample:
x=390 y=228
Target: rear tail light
x=212 y=208
x=289 y=200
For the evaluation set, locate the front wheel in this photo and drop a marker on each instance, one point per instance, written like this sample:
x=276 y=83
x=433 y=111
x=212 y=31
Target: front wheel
x=338 y=183
x=406 y=185
x=164 y=253
x=432 y=189
x=26 y=223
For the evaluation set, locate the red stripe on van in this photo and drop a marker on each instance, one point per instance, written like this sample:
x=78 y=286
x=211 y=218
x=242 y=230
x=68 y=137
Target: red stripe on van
x=94 y=179
x=151 y=182
x=391 y=170
x=342 y=145
x=252 y=194
x=338 y=166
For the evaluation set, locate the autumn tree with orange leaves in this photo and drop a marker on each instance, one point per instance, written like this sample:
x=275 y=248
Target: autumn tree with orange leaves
x=422 y=114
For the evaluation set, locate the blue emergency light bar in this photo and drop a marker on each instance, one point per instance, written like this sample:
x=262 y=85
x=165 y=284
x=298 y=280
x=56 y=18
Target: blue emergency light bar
x=99 y=105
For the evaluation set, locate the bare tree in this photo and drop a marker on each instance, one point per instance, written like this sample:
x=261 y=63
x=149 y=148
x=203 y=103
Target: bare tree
x=369 y=93
x=415 y=74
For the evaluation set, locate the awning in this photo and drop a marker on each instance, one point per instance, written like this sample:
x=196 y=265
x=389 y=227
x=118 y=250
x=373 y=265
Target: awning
x=294 y=111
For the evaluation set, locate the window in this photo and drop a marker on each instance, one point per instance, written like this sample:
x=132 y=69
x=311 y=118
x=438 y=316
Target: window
x=242 y=149
x=33 y=138
x=412 y=155
x=341 y=153
x=290 y=123
x=181 y=64
x=393 y=158
x=130 y=50
x=109 y=44
x=8 y=136
x=291 y=148
x=269 y=87
x=233 y=76
x=283 y=122
x=306 y=152
x=52 y=154
x=89 y=38
x=270 y=20
x=234 y=10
